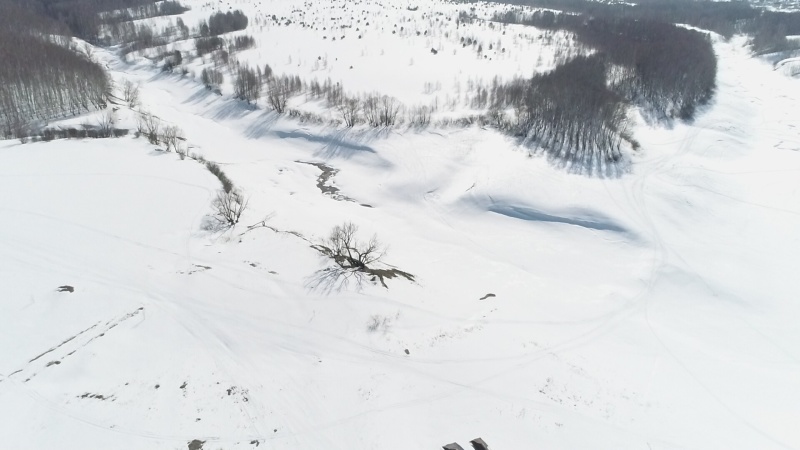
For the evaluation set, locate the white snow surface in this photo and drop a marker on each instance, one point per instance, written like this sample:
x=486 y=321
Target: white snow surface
x=656 y=310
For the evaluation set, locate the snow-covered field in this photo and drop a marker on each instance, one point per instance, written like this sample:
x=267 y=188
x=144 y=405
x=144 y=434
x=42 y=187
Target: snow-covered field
x=652 y=311
x=382 y=47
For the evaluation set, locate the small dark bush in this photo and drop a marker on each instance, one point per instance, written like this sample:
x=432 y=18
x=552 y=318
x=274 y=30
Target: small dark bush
x=216 y=170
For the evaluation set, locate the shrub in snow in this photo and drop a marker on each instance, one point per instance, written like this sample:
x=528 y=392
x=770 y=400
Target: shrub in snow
x=216 y=170
x=228 y=208
x=171 y=137
x=348 y=252
x=355 y=260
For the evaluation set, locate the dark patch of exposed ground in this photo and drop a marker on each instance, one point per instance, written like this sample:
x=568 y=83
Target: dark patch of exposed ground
x=329 y=172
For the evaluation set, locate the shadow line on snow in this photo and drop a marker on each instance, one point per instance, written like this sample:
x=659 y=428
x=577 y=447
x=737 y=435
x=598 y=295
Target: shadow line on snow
x=333 y=144
x=581 y=218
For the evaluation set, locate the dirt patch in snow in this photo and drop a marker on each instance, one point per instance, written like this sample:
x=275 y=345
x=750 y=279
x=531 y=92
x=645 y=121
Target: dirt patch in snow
x=323 y=185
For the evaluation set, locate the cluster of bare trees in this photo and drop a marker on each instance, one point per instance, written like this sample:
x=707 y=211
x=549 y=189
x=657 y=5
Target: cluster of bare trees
x=376 y=111
x=90 y=19
x=138 y=37
x=44 y=78
x=211 y=77
x=204 y=45
x=373 y=109
x=380 y=110
x=277 y=95
x=220 y=23
x=99 y=132
x=217 y=47
x=144 y=11
x=242 y=43
x=247 y=84
x=130 y=93
x=332 y=92
x=769 y=32
x=569 y=112
x=156 y=132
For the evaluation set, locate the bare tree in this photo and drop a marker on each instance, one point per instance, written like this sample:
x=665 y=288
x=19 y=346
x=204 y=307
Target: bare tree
x=371 y=110
x=171 y=137
x=150 y=126
x=105 y=124
x=348 y=252
x=389 y=109
x=355 y=261
x=247 y=85
x=181 y=151
x=211 y=77
x=21 y=129
x=381 y=111
x=228 y=208
x=130 y=93
x=349 y=110
x=419 y=116
x=278 y=95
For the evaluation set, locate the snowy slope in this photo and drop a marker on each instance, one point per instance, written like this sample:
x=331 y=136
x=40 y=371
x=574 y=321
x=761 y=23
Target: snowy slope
x=654 y=310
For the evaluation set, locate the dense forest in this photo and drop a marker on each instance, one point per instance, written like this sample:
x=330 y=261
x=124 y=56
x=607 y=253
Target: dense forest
x=578 y=111
x=666 y=70
x=569 y=112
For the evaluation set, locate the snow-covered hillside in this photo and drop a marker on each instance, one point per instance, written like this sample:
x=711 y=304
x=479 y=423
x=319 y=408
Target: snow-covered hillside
x=548 y=310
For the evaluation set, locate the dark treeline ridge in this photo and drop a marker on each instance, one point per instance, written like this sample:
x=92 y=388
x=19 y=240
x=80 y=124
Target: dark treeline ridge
x=86 y=19
x=205 y=45
x=665 y=69
x=49 y=134
x=42 y=75
x=220 y=23
x=768 y=29
x=144 y=11
x=578 y=111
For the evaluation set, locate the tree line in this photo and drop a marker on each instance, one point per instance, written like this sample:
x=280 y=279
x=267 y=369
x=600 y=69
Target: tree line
x=144 y=11
x=667 y=70
x=569 y=112
x=84 y=18
x=220 y=23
